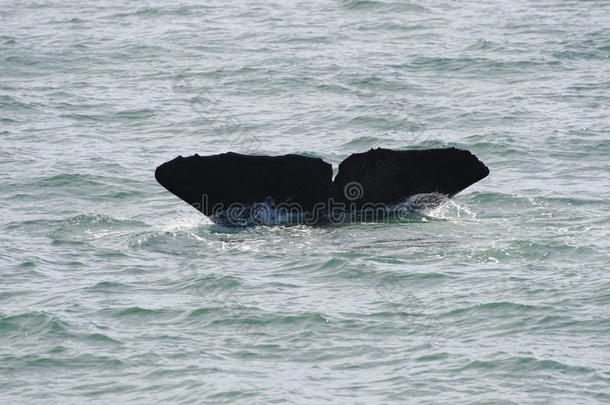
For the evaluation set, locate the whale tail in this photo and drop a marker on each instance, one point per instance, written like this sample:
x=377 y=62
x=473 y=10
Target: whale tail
x=214 y=184
x=388 y=176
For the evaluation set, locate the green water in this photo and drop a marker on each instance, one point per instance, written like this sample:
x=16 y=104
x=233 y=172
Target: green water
x=113 y=290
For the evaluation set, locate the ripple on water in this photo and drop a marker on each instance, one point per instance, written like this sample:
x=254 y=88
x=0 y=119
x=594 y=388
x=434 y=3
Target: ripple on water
x=111 y=292
x=89 y=227
x=33 y=324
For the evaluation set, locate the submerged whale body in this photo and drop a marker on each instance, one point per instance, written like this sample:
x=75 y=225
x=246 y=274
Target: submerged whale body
x=232 y=182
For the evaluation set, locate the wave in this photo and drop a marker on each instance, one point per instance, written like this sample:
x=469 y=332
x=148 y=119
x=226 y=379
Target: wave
x=31 y=324
x=381 y=5
x=90 y=226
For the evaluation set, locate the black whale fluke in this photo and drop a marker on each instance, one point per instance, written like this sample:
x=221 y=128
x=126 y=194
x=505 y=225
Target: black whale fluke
x=380 y=176
x=213 y=183
x=389 y=176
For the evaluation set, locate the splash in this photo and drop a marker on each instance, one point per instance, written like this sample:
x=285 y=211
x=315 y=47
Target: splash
x=269 y=213
x=451 y=210
x=188 y=220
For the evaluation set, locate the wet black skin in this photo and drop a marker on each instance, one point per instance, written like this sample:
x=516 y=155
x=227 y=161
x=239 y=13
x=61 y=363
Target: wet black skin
x=379 y=176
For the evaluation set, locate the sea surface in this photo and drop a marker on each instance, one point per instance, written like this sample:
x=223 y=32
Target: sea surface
x=113 y=290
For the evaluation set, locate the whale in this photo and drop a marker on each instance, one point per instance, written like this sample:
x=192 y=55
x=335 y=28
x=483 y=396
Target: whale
x=217 y=184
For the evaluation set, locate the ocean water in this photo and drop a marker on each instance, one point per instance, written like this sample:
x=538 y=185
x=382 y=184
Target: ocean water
x=113 y=290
